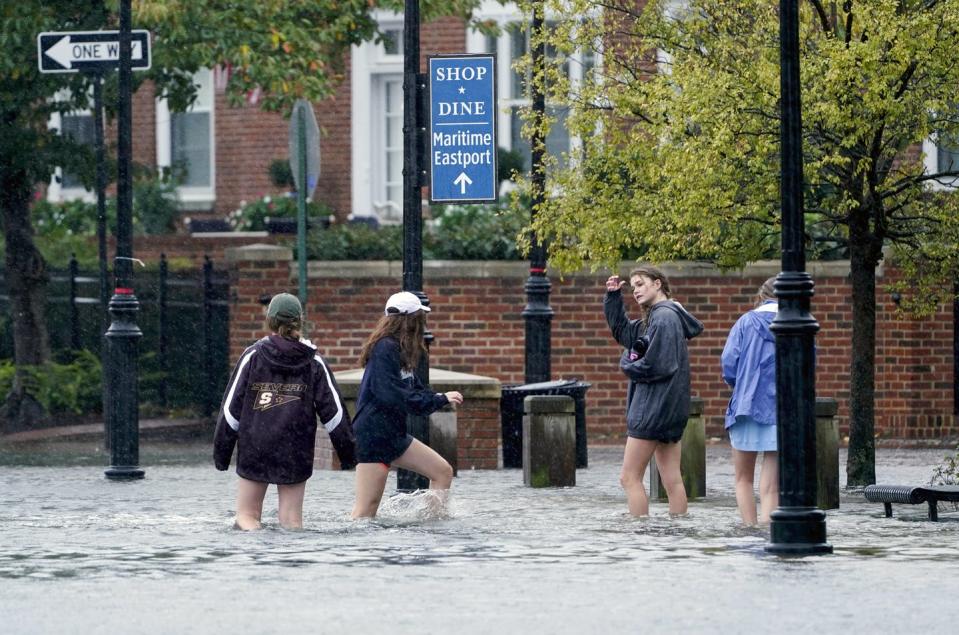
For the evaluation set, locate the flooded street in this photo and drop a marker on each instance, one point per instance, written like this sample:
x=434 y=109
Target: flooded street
x=79 y=553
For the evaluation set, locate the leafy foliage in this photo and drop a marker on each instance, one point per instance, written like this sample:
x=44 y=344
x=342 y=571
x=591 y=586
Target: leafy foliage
x=468 y=232
x=475 y=232
x=253 y=216
x=947 y=472
x=356 y=242
x=687 y=162
x=72 y=387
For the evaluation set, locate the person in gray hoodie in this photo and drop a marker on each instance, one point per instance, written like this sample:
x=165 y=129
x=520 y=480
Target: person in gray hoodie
x=656 y=361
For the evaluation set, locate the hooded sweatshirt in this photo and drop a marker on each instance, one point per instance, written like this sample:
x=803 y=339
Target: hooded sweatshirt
x=269 y=413
x=658 y=392
x=749 y=366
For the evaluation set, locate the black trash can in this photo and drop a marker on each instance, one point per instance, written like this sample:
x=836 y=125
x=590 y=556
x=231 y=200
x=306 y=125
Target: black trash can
x=511 y=416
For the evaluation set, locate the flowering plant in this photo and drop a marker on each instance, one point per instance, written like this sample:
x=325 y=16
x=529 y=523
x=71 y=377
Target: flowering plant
x=252 y=216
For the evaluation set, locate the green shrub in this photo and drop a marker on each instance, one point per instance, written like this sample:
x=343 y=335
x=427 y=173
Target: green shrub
x=71 y=387
x=281 y=175
x=475 y=232
x=252 y=216
x=355 y=242
x=155 y=203
x=947 y=472
x=464 y=232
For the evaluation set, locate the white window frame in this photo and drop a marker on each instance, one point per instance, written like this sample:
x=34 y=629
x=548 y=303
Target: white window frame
x=930 y=152
x=504 y=15
x=190 y=197
x=371 y=66
x=56 y=192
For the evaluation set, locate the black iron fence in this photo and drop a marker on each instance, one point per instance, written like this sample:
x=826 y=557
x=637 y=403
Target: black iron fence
x=184 y=317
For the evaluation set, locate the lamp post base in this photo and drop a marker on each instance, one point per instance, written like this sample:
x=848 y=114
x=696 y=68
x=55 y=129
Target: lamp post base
x=124 y=473
x=797 y=531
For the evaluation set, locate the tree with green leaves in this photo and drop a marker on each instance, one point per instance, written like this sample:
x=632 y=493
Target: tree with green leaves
x=680 y=153
x=286 y=50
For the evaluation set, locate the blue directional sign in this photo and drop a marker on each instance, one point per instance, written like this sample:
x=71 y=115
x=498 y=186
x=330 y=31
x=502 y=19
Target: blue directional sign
x=462 y=129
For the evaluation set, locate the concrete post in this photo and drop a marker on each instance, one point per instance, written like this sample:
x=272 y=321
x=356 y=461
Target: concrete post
x=827 y=454
x=693 y=460
x=549 y=441
x=443 y=435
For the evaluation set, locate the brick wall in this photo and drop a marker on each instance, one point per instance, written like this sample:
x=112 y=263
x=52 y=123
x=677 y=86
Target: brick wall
x=479 y=329
x=249 y=139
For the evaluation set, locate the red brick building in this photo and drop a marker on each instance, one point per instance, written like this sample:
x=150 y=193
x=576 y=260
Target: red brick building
x=227 y=150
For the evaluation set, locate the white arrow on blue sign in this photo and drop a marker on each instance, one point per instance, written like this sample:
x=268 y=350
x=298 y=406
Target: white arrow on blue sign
x=462 y=129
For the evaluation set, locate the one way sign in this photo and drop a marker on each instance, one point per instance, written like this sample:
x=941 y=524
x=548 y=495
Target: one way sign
x=60 y=52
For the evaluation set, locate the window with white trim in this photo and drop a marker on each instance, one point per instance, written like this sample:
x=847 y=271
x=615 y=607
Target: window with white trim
x=377 y=116
x=79 y=126
x=941 y=157
x=186 y=144
x=511 y=44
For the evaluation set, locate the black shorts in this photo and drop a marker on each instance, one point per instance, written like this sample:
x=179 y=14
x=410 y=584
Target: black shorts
x=379 y=446
x=662 y=434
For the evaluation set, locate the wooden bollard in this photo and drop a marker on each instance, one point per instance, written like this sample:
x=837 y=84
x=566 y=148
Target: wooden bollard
x=692 y=462
x=827 y=454
x=443 y=435
x=549 y=441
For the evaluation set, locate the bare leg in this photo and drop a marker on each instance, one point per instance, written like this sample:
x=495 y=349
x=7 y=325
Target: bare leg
x=768 y=486
x=635 y=460
x=668 y=456
x=249 y=503
x=423 y=459
x=370 y=483
x=291 y=505
x=744 y=464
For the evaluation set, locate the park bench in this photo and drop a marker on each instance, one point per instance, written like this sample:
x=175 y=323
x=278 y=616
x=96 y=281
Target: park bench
x=931 y=494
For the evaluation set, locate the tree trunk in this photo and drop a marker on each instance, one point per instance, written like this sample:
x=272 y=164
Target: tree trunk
x=26 y=277
x=861 y=464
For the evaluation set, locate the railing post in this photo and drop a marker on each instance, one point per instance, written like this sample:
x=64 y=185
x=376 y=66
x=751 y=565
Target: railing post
x=162 y=329
x=209 y=395
x=74 y=312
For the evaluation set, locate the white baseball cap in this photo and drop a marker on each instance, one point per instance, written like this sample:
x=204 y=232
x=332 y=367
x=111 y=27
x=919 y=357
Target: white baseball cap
x=404 y=302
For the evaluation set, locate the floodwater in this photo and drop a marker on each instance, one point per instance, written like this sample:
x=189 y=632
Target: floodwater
x=81 y=554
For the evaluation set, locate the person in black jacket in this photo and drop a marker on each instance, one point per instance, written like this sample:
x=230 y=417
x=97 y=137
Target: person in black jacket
x=388 y=393
x=278 y=388
x=656 y=361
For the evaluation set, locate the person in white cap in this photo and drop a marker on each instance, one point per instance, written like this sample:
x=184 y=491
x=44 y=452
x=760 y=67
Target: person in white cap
x=388 y=393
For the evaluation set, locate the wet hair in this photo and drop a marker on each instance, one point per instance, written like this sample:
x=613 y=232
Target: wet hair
x=407 y=329
x=653 y=273
x=289 y=328
x=766 y=291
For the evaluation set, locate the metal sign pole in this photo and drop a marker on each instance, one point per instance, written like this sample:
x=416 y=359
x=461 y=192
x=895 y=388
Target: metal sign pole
x=123 y=335
x=301 y=207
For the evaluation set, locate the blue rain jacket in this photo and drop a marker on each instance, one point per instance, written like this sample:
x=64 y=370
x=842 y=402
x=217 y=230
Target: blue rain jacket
x=749 y=366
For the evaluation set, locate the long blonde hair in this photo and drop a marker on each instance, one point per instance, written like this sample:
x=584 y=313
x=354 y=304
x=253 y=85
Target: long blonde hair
x=407 y=329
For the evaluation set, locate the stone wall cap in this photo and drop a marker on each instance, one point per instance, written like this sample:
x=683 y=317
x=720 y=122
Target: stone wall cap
x=696 y=406
x=441 y=380
x=826 y=407
x=258 y=252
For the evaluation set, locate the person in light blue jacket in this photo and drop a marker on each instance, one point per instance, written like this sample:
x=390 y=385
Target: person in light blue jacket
x=749 y=366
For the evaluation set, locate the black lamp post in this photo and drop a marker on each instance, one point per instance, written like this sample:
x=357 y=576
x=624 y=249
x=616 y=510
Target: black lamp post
x=537 y=314
x=797 y=527
x=414 y=178
x=123 y=335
